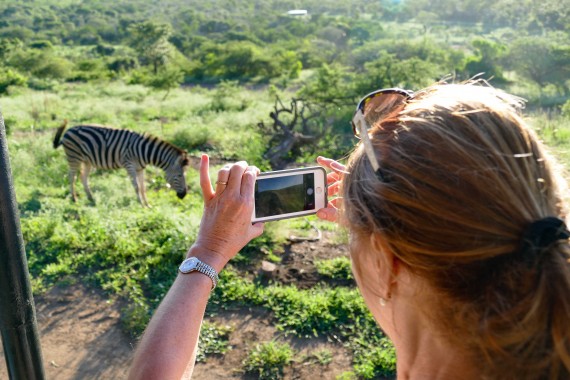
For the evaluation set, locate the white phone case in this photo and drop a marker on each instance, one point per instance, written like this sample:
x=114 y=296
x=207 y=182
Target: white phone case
x=319 y=191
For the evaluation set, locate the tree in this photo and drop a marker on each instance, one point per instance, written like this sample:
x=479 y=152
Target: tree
x=9 y=46
x=166 y=80
x=486 y=60
x=150 y=40
x=541 y=60
x=293 y=128
x=388 y=71
x=327 y=86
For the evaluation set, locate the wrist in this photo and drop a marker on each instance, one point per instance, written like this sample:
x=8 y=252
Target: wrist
x=212 y=258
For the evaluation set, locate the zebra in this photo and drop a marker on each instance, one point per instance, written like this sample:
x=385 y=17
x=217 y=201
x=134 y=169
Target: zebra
x=98 y=146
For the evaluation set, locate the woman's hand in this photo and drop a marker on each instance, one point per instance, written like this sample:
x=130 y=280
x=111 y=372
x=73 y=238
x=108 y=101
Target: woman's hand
x=334 y=180
x=226 y=223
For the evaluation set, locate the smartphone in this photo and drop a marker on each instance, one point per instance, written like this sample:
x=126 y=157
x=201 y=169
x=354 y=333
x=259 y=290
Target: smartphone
x=289 y=193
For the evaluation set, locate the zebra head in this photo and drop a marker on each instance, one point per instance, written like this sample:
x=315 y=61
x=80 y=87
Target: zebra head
x=175 y=175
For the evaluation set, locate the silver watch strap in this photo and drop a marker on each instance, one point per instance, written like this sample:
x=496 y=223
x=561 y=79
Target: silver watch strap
x=208 y=271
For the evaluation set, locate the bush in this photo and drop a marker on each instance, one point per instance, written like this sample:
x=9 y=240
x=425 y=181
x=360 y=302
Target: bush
x=193 y=138
x=268 y=359
x=338 y=268
x=214 y=339
x=9 y=78
x=42 y=44
x=89 y=69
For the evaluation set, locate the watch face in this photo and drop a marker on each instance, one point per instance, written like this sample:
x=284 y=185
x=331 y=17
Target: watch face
x=189 y=265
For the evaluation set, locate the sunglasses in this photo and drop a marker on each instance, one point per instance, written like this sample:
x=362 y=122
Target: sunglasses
x=370 y=109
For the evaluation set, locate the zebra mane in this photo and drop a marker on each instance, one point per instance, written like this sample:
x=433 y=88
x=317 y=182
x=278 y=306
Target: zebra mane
x=170 y=145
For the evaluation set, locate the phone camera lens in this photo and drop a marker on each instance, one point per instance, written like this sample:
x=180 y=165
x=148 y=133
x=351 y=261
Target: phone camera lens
x=310 y=191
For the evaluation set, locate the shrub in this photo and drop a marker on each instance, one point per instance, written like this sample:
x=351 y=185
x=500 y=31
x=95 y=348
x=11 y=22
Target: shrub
x=193 y=138
x=214 y=339
x=338 y=268
x=268 y=359
x=10 y=77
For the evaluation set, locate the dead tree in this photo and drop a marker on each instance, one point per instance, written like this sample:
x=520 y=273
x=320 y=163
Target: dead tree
x=292 y=128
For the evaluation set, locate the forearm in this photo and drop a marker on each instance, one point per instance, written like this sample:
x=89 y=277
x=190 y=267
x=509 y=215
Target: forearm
x=167 y=348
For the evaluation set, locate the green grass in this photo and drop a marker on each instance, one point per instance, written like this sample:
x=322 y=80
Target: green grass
x=337 y=312
x=230 y=131
x=133 y=252
x=554 y=130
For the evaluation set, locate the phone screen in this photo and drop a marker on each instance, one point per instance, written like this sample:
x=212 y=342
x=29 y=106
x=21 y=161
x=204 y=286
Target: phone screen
x=284 y=195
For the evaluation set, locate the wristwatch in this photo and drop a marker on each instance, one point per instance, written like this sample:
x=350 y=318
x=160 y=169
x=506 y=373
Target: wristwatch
x=192 y=264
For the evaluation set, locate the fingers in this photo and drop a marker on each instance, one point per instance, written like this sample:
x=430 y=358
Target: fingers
x=335 y=203
x=248 y=182
x=331 y=164
x=237 y=177
x=223 y=176
x=333 y=177
x=333 y=189
x=205 y=184
x=236 y=174
x=328 y=213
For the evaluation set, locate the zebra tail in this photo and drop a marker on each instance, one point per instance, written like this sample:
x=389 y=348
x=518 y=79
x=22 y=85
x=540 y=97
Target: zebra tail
x=58 y=134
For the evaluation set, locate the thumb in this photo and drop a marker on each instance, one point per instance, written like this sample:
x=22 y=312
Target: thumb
x=256 y=230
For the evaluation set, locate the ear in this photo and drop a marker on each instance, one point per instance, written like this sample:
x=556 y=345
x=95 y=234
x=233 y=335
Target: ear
x=388 y=264
x=185 y=161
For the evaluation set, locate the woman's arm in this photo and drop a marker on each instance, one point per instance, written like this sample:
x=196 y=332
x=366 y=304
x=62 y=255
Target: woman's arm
x=167 y=349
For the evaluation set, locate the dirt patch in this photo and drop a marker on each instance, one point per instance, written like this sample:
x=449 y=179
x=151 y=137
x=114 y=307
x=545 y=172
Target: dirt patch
x=252 y=327
x=81 y=336
x=297 y=264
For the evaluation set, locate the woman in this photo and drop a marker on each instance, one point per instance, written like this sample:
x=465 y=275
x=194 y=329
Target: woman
x=457 y=238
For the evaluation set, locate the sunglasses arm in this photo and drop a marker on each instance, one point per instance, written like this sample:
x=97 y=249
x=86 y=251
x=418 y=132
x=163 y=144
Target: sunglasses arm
x=366 y=143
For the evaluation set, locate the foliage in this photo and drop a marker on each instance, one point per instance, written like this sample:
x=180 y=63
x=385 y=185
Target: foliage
x=214 y=339
x=486 y=60
x=268 y=359
x=10 y=78
x=321 y=310
x=167 y=79
x=323 y=357
x=150 y=40
x=542 y=60
x=337 y=268
x=410 y=42
x=142 y=66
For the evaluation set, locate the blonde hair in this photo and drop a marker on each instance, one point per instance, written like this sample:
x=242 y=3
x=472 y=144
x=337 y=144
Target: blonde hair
x=463 y=177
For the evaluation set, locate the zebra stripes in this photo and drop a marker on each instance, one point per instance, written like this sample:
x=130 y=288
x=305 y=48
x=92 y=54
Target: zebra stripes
x=96 y=146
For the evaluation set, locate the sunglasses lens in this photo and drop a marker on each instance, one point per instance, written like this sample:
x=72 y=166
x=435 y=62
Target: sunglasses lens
x=381 y=105
x=377 y=106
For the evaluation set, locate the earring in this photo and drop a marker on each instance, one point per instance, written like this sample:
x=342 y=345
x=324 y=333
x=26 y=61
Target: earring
x=384 y=301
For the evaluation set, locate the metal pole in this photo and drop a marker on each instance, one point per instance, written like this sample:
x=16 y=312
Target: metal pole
x=17 y=313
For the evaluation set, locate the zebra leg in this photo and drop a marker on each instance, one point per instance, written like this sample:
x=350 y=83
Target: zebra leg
x=142 y=187
x=133 y=174
x=72 y=176
x=85 y=181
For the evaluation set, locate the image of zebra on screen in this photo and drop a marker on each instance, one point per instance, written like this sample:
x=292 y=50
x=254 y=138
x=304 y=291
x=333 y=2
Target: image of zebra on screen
x=96 y=146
